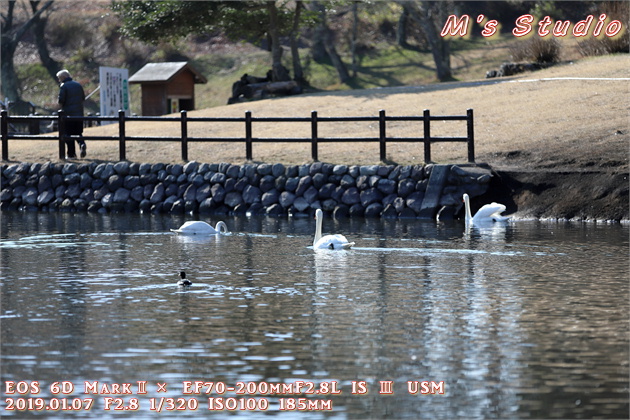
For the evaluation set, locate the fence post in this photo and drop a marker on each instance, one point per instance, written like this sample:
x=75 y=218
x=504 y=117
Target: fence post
x=4 y=128
x=184 y=116
x=471 y=135
x=314 y=136
x=381 y=133
x=121 y=135
x=426 y=118
x=61 y=125
x=33 y=125
x=248 y=135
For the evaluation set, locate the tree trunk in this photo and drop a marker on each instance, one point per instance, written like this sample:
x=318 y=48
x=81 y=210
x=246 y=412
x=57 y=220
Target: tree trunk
x=318 y=49
x=401 y=29
x=324 y=37
x=280 y=73
x=402 y=33
x=353 y=47
x=39 y=30
x=440 y=48
x=442 y=57
x=8 y=45
x=344 y=76
x=9 y=78
x=298 y=72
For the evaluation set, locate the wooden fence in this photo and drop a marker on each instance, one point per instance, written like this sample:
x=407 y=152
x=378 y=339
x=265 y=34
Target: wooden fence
x=248 y=120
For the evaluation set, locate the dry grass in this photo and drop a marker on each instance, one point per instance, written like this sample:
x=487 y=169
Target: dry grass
x=526 y=120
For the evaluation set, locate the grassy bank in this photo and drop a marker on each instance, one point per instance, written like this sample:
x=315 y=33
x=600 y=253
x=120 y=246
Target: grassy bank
x=569 y=116
x=558 y=138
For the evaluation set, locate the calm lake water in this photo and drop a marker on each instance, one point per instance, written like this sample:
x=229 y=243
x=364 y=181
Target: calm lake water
x=528 y=320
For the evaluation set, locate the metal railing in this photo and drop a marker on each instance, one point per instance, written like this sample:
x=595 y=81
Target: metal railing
x=248 y=120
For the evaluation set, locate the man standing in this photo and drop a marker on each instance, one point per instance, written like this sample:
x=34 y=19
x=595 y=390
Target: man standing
x=71 y=98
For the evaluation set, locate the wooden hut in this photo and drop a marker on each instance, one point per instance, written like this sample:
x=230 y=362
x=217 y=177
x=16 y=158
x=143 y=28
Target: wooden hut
x=167 y=87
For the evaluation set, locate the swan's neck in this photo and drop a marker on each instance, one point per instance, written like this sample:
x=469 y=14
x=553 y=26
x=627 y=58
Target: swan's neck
x=221 y=227
x=318 y=230
x=468 y=214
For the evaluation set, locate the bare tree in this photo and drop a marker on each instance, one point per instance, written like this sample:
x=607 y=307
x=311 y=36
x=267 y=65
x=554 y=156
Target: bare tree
x=430 y=16
x=298 y=72
x=39 y=30
x=401 y=29
x=10 y=35
x=280 y=73
x=324 y=45
x=353 y=43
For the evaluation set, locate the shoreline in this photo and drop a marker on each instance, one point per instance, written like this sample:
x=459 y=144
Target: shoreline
x=573 y=195
x=386 y=191
x=372 y=191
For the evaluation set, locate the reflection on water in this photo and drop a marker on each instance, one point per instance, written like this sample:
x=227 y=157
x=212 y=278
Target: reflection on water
x=525 y=320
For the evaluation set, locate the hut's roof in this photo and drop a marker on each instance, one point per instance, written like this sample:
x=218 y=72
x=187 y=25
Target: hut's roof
x=163 y=72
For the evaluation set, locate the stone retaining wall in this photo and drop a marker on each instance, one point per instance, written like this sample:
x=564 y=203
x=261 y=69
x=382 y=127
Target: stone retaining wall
x=370 y=191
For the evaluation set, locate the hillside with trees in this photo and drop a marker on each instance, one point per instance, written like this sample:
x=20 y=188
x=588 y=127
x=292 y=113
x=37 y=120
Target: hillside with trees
x=323 y=45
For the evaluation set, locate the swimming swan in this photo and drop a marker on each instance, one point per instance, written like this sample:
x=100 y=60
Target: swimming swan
x=488 y=213
x=201 y=228
x=183 y=281
x=328 y=241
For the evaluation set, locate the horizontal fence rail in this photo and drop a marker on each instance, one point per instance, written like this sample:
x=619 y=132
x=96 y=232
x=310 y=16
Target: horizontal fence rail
x=248 y=120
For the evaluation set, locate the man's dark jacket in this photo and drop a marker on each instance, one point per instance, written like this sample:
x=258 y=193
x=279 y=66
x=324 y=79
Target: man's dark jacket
x=71 y=97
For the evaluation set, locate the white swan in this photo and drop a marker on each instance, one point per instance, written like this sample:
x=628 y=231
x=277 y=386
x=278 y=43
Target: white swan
x=488 y=213
x=328 y=241
x=201 y=228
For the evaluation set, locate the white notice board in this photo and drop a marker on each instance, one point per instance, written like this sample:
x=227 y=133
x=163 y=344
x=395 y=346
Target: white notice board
x=114 y=91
